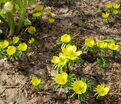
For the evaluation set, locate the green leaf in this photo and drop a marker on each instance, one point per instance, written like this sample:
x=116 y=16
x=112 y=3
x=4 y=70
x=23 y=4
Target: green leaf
x=109 y=40
x=27 y=22
x=32 y=1
x=102 y=62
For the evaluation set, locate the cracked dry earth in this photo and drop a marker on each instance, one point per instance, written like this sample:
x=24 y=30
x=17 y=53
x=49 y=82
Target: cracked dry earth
x=81 y=20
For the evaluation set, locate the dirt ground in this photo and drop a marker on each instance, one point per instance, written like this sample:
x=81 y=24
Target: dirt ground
x=81 y=19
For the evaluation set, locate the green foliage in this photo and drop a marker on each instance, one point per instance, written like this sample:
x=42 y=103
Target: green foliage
x=102 y=62
x=13 y=51
x=8 y=11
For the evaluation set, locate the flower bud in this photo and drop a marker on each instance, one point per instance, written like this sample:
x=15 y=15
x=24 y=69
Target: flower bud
x=8 y=6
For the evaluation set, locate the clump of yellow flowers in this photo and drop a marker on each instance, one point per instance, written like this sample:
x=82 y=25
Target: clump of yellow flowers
x=101 y=48
x=111 y=10
x=102 y=90
x=68 y=58
x=13 y=49
x=112 y=45
x=68 y=53
x=37 y=83
x=40 y=11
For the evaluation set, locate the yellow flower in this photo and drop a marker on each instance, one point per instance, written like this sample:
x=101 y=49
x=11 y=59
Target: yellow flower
x=102 y=90
x=11 y=50
x=113 y=46
x=70 y=52
x=5 y=44
x=62 y=59
x=1 y=44
x=32 y=40
x=31 y=30
x=48 y=12
x=61 y=78
x=79 y=87
x=15 y=40
x=65 y=38
x=22 y=47
x=105 y=15
x=39 y=8
x=116 y=6
x=35 y=81
x=51 y=20
x=109 y=6
x=38 y=14
x=89 y=42
x=101 y=44
x=55 y=59
x=115 y=11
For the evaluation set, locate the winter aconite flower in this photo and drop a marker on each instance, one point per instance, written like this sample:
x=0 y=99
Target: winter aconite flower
x=61 y=60
x=89 y=42
x=102 y=90
x=11 y=50
x=48 y=12
x=105 y=15
x=8 y=6
x=109 y=6
x=113 y=46
x=51 y=20
x=35 y=81
x=22 y=47
x=31 y=30
x=39 y=8
x=70 y=52
x=32 y=40
x=116 y=6
x=5 y=44
x=61 y=78
x=65 y=38
x=79 y=87
x=38 y=14
x=15 y=40
x=115 y=11
x=1 y=43
x=101 y=44
x=55 y=59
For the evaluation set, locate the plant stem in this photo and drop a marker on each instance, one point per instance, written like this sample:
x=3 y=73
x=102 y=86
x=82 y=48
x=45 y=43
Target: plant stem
x=10 y=18
x=68 y=70
x=22 y=17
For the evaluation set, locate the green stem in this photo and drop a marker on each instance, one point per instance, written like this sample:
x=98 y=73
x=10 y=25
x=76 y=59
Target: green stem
x=22 y=17
x=10 y=18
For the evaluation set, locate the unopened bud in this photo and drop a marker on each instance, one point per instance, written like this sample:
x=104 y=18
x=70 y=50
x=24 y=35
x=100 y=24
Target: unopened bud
x=8 y=6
